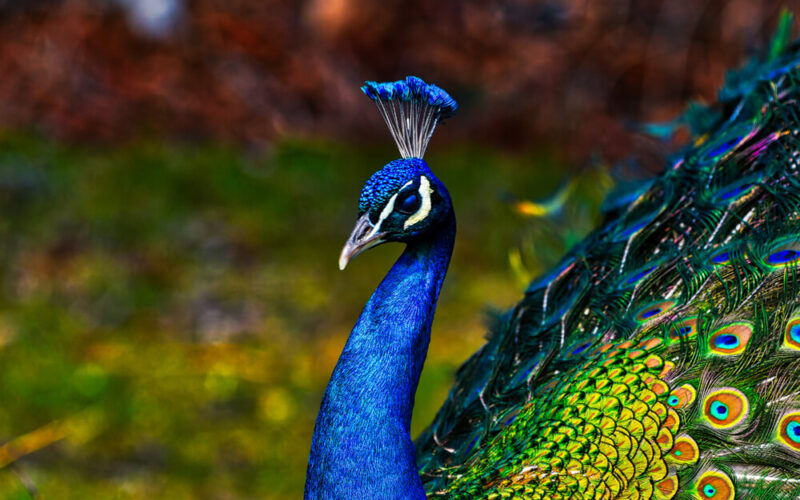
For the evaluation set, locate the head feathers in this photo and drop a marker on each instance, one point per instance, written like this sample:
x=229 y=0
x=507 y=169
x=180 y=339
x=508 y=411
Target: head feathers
x=411 y=109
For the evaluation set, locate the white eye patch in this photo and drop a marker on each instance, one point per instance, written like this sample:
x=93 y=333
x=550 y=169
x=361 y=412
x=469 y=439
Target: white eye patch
x=424 y=209
x=387 y=210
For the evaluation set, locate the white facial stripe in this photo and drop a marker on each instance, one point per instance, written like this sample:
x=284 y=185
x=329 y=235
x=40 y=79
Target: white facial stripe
x=424 y=209
x=388 y=209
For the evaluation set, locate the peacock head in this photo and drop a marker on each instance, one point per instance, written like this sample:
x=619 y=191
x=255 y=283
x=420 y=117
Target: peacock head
x=403 y=201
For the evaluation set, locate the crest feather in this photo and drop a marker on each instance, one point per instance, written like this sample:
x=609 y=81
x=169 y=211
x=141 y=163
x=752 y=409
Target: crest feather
x=411 y=109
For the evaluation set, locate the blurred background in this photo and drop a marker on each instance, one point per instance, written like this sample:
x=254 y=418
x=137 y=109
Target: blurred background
x=177 y=178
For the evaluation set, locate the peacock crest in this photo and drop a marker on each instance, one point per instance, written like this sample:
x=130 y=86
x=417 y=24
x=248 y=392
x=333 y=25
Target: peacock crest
x=411 y=109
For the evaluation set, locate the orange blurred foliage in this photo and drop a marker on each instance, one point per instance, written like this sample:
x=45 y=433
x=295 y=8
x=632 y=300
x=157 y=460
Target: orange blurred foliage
x=249 y=71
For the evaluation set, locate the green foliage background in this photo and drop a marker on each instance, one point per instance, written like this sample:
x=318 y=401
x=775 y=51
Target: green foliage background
x=170 y=314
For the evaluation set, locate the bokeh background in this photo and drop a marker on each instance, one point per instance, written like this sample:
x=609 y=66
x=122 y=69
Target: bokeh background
x=177 y=178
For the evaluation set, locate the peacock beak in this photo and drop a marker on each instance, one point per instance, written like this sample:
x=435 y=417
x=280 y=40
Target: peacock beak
x=364 y=236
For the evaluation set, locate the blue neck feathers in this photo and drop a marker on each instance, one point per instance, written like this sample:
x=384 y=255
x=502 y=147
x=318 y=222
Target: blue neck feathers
x=361 y=446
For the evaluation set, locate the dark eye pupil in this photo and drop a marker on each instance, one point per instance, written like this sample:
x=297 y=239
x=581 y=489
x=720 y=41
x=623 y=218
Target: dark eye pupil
x=409 y=204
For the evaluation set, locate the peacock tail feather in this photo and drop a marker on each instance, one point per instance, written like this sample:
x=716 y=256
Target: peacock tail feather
x=661 y=358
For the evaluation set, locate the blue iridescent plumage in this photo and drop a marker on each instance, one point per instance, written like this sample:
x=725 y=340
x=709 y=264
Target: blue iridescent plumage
x=412 y=88
x=361 y=446
x=385 y=182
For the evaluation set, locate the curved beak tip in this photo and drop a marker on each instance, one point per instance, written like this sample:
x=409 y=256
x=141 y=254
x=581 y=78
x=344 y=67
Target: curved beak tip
x=363 y=237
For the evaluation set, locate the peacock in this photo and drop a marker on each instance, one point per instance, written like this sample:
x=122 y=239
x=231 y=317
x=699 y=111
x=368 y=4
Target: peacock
x=659 y=359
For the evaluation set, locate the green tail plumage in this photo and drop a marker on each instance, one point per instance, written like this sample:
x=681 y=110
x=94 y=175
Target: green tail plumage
x=661 y=359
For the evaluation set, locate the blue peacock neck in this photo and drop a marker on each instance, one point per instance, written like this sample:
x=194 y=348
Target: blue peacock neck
x=361 y=446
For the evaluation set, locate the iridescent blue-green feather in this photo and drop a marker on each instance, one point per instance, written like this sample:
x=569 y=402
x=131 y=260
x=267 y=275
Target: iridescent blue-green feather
x=661 y=357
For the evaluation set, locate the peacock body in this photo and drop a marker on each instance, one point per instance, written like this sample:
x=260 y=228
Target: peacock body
x=660 y=359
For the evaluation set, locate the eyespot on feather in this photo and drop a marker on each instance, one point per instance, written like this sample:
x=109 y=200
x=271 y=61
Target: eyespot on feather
x=731 y=194
x=682 y=396
x=579 y=348
x=731 y=339
x=791 y=335
x=783 y=254
x=789 y=430
x=720 y=258
x=654 y=310
x=685 y=328
x=724 y=408
x=683 y=452
x=666 y=488
x=718 y=146
x=714 y=485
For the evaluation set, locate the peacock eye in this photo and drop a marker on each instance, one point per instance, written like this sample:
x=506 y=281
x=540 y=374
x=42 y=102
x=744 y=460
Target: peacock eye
x=408 y=204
